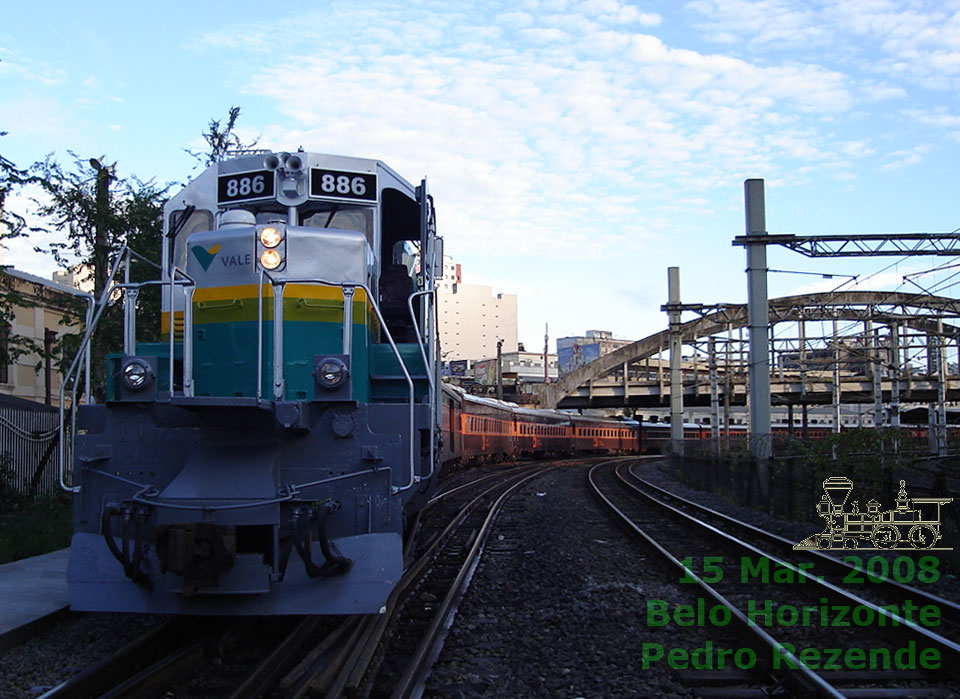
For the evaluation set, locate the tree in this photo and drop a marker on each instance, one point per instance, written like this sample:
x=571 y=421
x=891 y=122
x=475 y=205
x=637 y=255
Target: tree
x=100 y=212
x=11 y=177
x=12 y=225
x=221 y=140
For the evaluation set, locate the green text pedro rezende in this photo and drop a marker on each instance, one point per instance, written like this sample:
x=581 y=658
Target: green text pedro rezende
x=774 y=614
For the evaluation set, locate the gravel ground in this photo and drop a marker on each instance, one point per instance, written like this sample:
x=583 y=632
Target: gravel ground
x=556 y=608
x=60 y=653
x=557 y=605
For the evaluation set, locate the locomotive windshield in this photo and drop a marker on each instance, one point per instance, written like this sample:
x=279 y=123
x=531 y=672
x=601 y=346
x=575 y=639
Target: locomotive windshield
x=200 y=220
x=347 y=218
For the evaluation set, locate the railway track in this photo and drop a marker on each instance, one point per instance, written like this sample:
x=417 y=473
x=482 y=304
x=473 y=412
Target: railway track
x=852 y=565
x=748 y=596
x=380 y=655
x=390 y=655
x=200 y=657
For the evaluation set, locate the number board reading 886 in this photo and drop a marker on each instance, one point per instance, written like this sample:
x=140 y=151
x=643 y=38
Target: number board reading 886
x=335 y=184
x=245 y=185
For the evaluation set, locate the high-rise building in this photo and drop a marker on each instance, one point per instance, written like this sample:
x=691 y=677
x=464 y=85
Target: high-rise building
x=472 y=319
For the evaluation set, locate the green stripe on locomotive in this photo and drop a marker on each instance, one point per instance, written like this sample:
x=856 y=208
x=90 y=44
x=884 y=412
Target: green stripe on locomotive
x=225 y=340
x=225 y=345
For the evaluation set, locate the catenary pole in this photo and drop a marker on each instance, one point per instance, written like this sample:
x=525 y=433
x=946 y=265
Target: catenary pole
x=759 y=320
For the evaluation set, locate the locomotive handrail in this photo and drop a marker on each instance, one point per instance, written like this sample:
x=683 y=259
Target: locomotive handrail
x=423 y=353
x=85 y=353
x=348 y=313
x=82 y=351
x=130 y=300
x=292 y=491
x=260 y=333
x=92 y=320
x=187 y=327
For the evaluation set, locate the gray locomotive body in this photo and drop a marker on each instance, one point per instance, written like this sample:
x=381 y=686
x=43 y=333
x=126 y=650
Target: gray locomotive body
x=261 y=459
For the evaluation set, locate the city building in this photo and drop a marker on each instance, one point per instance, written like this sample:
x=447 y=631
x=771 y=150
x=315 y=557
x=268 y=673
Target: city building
x=79 y=277
x=520 y=371
x=518 y=368
x=472 y=319
x=39 y=307
x=574 y=352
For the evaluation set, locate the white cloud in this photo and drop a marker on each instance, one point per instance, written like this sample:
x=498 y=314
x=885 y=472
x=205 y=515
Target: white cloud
x=906 y=157
x=15 y=66
x=772 y=23
x=20 y=252
x=572 y=131
x=29 y=116
x=916 y=40
x=938 y=117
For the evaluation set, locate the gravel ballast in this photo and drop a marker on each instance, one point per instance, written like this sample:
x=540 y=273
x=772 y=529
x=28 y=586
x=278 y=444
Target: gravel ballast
x=557 y=605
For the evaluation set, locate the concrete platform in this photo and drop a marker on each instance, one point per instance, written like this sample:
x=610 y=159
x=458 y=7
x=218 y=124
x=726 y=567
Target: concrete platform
x=33 y=591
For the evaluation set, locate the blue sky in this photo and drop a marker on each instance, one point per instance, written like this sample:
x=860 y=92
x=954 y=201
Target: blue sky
x=576 y=149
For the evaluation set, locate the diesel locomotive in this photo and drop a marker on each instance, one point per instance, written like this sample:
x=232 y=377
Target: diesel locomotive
x=261 y=459
x=265 y=457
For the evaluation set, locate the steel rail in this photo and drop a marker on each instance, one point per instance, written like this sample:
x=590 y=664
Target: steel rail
x=462 y=487
x=950 y=611
x=803 y=680
x=430 y=645
x=263 y=677
x=354 y=666
x=117 y=668
x=950 y=649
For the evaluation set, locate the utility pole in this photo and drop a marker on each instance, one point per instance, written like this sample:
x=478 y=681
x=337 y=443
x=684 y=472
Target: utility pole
x=759 y=322
x=500 y=369
x=546 y=353
x=49 y=338
x=844 y=245
x=714 y=398
x=676 y=359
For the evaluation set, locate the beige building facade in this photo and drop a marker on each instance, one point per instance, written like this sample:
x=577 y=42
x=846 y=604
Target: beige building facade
x=472 y=319
x=38 y=318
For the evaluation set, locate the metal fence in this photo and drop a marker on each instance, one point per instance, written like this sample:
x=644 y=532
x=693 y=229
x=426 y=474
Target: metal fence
x=795 y=480
x=29 y=451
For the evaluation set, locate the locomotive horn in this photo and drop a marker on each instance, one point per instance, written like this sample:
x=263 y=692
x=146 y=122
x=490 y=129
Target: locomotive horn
x=271 y=162
x=294 y=162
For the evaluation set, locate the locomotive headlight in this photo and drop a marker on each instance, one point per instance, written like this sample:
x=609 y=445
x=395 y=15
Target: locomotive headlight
x=270 y=237
x=136 y=375
x=271 y=246
x=270 y=259
x=331 y=373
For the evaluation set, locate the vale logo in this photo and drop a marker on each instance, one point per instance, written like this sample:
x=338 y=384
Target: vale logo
x=204 y=256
